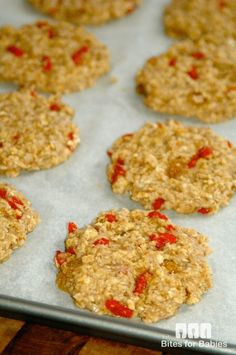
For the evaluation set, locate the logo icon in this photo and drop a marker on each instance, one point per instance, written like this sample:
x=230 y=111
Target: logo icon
x=193 y=331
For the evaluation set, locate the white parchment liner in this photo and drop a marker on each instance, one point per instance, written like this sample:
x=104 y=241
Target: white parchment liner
x=78 y=189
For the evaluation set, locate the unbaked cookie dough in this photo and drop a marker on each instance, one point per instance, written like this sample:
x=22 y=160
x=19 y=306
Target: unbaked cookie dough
x=134 y=264
x=87 y=12
x=192 y=79
x=196 y=18
x=17 y=219
x=171 y=166
x=35 y=132
x=53 y=57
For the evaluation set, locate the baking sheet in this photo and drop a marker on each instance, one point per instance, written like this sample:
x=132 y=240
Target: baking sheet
x=78 y=189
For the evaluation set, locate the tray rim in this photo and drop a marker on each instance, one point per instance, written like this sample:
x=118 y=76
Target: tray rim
x=136 y=332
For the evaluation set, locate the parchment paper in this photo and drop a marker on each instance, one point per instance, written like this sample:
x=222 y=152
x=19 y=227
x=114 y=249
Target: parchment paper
x=78 y=189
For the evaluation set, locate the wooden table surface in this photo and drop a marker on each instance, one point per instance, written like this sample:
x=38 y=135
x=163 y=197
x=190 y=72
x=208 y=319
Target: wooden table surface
x=20 y=338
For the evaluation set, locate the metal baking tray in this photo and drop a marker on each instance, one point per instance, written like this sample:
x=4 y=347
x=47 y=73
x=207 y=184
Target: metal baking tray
x=78 y=190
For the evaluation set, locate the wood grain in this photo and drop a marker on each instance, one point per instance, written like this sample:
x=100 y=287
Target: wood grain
x=21 y=338
x=8 y=329
x=99 y=346
x=39 y=339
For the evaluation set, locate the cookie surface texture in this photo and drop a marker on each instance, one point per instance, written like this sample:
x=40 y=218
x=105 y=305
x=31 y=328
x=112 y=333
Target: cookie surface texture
x=17 y=219
x=134 y=264
x=192 y=79
x=172 y=166
x=53 y=57
x=196 y=18
x=35 y=132
x=87 y=12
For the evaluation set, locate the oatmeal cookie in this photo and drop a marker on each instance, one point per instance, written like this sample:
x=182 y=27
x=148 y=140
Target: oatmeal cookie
x=53 y=57
x=196 y=18
x=171 y=166
x=192 y=79
x=87 y=12
x=35 y=132
x=134 y=264
x=17 y=219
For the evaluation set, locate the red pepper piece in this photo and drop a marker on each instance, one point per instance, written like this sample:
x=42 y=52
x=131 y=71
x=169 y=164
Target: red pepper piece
x=72 y=227
x=127 y=135
x=16 y=137
x=120 y=161
x=157 y=214
x=71 y=250
x=17 y=200
x=33 y=93
x=231 y=88
x=204 y=210
x=198 y=55
x=109 y=153
x=153 y=236
x=170 y=228
x=172 y=62
x=222 y=4
x=52 y=10
x=229 y=144
x=118 y=171
x=47 y=63
x=165 y=238
x=204 y=152
x=55 y=107
x=110 y=217
x=141 y=283
x=118 y=309
x=162 y=239
x=3 y=193
x=70 y=136
x=41 y=24
x=193 y=73
x=12 y=204
x=131 y=10
x=18 y=52
x=51 y=33
x=77 y=56
x=192 y=163
x=102 y=241
x=60 y=258
x=157 y=204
